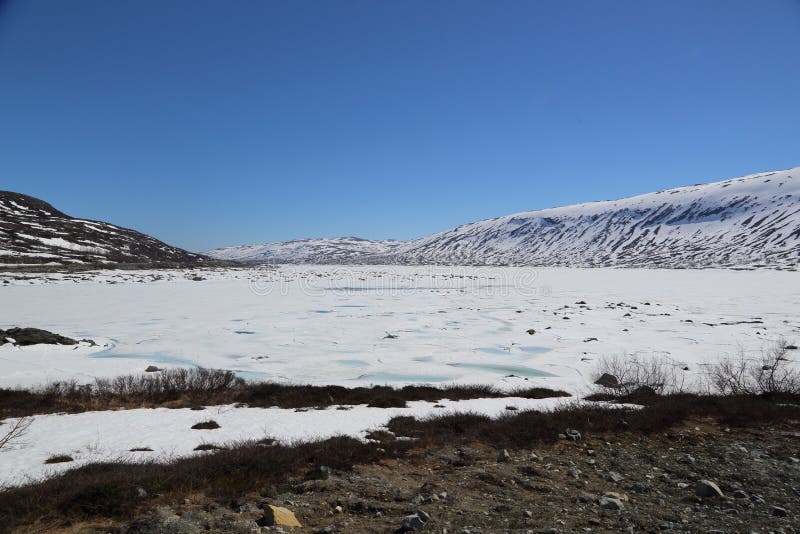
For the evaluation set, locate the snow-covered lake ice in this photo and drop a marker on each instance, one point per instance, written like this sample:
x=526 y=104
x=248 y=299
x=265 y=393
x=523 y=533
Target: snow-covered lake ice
x=367 y=325
x=397 y=325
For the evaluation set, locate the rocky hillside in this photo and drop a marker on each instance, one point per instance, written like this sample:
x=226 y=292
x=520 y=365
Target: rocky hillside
x=749 y=222
x=334 y=250
x=33 y=233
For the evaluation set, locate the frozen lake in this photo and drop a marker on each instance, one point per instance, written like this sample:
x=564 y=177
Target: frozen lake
x=396 y=325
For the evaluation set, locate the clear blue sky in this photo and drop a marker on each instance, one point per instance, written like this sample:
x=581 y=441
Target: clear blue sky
x=210 y=123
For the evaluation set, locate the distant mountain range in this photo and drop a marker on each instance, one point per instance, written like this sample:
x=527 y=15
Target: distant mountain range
x=324 y=250
x=35 y=234
x=747 y=222
x=752 y=221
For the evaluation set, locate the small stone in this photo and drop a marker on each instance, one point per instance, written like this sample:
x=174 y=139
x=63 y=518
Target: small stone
x=338 y=509
x=411 y=523
x=573 y=435
x=141 y=493
x=503 y=456
x=777 y=511
x=572 y=472
x=613 y=476
x=740 y=494
x=528 y=514
x=707 y=488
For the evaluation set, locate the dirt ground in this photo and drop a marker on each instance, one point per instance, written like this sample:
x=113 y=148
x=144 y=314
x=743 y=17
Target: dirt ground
x=553 y=488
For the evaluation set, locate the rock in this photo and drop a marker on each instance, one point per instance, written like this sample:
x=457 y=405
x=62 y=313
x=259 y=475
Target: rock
x=740 y=494
x=528 y=514
x=573 y=435
x=411 y=523
x=707 y=488
x=610 y=503
x=278 y=516
x=320 y=472
x=607 y=380
x=584 y=497
x=531 y=331
x=777 y=511
x=141 y=493
x=572 y=472
x=503 y=456
x=151 y=369
x=613 y=476
x=33 y=336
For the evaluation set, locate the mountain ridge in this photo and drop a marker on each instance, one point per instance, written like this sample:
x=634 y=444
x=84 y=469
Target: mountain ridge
x=33 y=233
x=748 y=221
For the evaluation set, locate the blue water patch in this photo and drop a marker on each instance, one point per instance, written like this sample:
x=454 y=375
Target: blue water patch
x=519 y=370
x=158 y=358
x=496 y=351
x=534 y=349
x=352 y=363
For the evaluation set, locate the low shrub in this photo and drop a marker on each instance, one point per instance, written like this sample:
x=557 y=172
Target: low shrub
x=194 y=388
x=773 y=373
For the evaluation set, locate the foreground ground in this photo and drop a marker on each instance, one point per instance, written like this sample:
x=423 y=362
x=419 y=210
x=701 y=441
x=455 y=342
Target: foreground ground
x=550 y=488
x=629 y=471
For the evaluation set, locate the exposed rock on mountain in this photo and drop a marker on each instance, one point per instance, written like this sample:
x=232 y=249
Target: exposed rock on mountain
x=33 y=233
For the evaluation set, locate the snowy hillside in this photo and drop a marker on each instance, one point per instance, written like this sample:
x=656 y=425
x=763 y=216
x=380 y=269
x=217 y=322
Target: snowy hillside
x=33 y=233
x=744 y=222
x=334 y=250
x=748 y=221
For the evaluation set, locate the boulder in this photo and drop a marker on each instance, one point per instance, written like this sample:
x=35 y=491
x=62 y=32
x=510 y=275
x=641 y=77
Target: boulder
x=414 y=522
x=278 y=516
x=33 y=336
x=707 y=488
x=609 y=503
x=607 y=380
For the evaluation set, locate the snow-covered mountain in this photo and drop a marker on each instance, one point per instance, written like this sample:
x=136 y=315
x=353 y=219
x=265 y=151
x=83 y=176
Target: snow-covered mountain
x=330 y=250
x=34 y=233
x=750 y=221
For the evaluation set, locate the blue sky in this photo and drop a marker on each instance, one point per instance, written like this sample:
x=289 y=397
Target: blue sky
x=210 y=123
